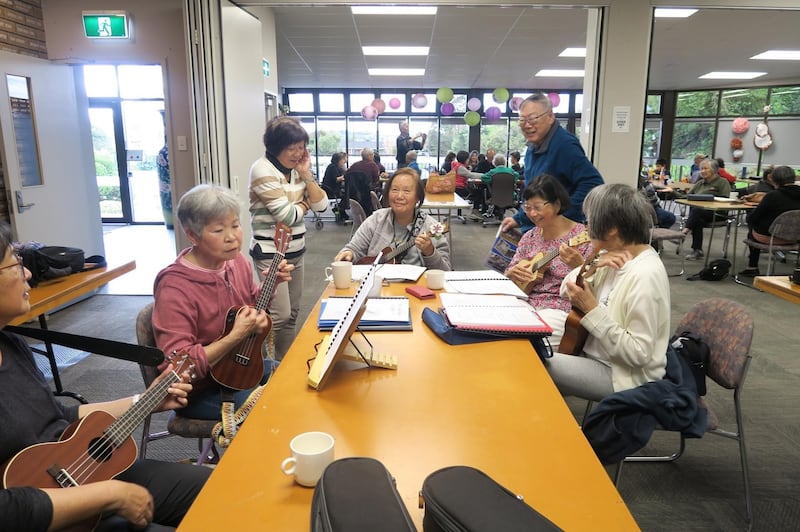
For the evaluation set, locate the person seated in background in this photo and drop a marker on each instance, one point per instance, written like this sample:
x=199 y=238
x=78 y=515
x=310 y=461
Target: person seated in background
x=754 y=193
x=194 y=294
x=401 y=224
x=148 y=491
x=785 y=197
x=499 y=164
x=710 y=183
x=368 y=166
x=694 y=171
x=545 y=200
x=661 y=171
x=377 y=158
x=447 y=165
x=730 y=178
x=514 y=158
x=411 y=161
x=666 y=219
x=464 y=188
x=625 y=298
x=472 y=161
x=333 y=182
x=483 y=165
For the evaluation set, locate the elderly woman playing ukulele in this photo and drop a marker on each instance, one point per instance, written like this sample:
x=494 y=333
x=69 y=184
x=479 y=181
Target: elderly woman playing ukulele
x=404 y=233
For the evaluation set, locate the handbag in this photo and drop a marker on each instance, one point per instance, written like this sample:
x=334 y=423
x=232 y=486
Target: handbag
x=441 y=184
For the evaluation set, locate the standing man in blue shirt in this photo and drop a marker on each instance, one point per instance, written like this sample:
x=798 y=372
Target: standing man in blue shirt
x=406 y=143
x=555 y=151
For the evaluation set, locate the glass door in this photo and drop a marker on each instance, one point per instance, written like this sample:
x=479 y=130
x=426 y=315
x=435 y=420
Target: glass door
x=112 y=183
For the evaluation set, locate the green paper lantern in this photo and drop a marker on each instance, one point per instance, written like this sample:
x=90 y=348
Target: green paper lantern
x=472 y=118
x=444 y=94
x=500 y=95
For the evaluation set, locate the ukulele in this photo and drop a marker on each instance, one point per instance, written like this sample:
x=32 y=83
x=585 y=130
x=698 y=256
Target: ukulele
x=95 y=448
x=575 y=334
x=540 y=260
x=243 y=366
x=389 y=254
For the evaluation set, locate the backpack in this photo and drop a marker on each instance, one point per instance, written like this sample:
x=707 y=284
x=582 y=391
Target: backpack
x=49 y=262
x=716 y=271
x=697 y=353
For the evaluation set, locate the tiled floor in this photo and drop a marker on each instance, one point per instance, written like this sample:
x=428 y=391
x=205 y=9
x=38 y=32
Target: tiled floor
x=152 y=246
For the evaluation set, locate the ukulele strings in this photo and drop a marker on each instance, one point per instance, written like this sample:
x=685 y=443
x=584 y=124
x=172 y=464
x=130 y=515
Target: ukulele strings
x=263 y=298
x=85 y=465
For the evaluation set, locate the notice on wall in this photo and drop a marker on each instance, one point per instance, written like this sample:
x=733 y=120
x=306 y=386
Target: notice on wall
x=622 y=119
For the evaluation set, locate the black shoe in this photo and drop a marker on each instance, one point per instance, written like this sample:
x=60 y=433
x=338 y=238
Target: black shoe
x=749 y=272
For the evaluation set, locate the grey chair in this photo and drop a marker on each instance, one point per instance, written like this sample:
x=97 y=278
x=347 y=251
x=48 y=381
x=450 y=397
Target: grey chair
x=502 y=188
x=659 y=235
x=786 y=228
x=357 y=214
x=376 y=202
x=177 y=425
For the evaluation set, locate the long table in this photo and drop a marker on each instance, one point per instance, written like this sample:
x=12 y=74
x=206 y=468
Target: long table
x=54 y=293
x=489 y=405
x=779 y=285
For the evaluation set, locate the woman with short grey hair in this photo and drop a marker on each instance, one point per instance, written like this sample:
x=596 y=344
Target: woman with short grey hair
x=625 y=297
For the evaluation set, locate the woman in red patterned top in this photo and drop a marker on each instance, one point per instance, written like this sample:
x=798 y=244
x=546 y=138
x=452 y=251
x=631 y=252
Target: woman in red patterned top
x=545 y=199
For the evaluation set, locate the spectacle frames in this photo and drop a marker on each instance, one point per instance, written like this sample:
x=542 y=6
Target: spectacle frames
x=19 y=264
x=534 y=208
x=531 y=120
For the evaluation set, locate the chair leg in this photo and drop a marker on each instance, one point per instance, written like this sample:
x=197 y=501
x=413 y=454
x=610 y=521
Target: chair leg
x=587 y=411
x=618 y=473
x=208 y=451
x=665 y=458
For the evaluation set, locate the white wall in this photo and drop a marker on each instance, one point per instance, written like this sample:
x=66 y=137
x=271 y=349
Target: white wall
x=269 y=47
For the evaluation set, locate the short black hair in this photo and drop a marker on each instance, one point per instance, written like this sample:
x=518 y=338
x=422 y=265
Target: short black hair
x=550 y=189
x=281 y=132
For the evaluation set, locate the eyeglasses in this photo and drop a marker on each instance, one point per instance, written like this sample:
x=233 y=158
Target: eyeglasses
x=531 y=120
x=534 y=208
x=19 y=264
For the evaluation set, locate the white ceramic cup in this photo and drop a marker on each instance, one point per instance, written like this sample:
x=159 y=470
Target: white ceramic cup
x=734 y=195
x=311 y=454
x=341 y=273
x=377 y=284
x=434 y=279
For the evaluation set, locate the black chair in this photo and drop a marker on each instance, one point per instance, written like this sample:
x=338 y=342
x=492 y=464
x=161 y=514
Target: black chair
x=503 y=188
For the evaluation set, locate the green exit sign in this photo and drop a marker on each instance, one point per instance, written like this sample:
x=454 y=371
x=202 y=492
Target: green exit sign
x=105 y=25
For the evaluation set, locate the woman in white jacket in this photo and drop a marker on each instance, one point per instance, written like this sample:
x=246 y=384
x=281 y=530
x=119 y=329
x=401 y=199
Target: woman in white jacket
x=625 y=296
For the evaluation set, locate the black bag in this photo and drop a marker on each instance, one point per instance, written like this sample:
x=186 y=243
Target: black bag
x=358 y=495
x=49 y=262
x=716 y=271
x=697 y=353
x=465 y=499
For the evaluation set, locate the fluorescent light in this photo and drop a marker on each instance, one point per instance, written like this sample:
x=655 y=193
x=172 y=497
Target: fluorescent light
x=573 y=52
x=556 y=73
x=732 y=75
x=779 y=55
x=392 y=10
x=396 y=50
x=666 y=12
x=396 y=71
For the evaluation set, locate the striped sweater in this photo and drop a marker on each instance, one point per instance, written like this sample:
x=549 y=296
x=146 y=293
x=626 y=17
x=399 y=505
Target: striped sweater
x=274 y=199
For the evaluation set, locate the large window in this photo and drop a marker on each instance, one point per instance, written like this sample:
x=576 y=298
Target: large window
x=700 y=103
x=743 y=102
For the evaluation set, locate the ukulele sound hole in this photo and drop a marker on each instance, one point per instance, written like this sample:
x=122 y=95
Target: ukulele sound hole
x=101 y=449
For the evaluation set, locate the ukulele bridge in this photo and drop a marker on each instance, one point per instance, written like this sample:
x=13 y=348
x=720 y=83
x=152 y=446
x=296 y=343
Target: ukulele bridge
x=241 y=359
x=61 y=476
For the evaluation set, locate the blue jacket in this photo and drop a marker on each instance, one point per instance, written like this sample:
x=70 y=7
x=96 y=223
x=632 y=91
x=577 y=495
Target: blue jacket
x=560 y=154
x=623 y=422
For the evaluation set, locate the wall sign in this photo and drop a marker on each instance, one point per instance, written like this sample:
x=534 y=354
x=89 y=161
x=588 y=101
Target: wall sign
x=19 y=95
x=113 y=25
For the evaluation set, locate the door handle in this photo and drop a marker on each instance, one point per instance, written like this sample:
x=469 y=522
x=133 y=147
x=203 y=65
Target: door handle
x=21 y=205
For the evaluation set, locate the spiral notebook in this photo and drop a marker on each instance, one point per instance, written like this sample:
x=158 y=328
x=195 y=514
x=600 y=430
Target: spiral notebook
x=481 y=282
x=492 y=313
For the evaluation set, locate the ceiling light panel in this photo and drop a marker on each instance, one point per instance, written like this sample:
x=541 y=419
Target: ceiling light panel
x=395 y=50
x=559 y=73
x=393 y=10
x=779 y=55
x=665 y=12
x=573 y=52
x=396 y=71
x=732 y=75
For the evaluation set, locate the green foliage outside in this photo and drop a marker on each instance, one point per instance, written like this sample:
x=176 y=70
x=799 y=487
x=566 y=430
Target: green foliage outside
x=109 y=193
x=743 y=102
x=690 y=138
x=699 y=103
x=105 y=164
x=329 y=142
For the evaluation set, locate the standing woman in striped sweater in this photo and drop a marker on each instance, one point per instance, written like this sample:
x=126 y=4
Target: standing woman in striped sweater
x=283 y=189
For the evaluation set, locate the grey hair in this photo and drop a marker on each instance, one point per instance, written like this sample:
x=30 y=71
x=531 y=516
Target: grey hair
x=203 y=204
x=499 y=160
x=366 y=153
x=620 y=207
x=711 y=163
x=540 y=98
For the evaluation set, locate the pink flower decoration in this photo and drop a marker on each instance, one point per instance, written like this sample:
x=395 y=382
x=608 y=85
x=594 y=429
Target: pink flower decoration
x=740 y=125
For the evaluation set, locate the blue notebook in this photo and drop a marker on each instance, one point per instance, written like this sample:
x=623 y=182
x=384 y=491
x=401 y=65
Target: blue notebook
x=381 y=314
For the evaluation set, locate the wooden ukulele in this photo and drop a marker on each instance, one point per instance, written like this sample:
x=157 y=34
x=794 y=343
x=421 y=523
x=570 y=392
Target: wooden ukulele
x=575 y=334
x=243 y=367
x=389 y=254
x=95 y=448
x=540 y=260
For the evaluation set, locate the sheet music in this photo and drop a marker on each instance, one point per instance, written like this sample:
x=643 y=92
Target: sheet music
x=491 y=312
x=378 y=309
x=481 y=282
x=405 y=272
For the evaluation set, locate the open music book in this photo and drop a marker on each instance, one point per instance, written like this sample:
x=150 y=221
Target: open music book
x=394 y=272
x=481 y=282
x=381 y=314
x=492 y=313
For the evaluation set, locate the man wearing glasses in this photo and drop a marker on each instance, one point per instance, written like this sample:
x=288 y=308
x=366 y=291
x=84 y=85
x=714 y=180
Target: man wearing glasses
x=553 y=150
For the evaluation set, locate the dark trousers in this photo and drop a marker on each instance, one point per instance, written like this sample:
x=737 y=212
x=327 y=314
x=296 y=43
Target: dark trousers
x=755 y=253
x=697 y=220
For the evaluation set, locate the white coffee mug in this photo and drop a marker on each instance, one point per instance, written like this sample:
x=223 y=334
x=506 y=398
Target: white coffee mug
x=311 y=454
x=734 y=195
x=341 y=273
x=377 y=284
x=434 y=279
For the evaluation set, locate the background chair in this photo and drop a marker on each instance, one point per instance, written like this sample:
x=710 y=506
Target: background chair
x=177 y=425
x=786 y=228
x=357 y=214
x=502 y=188
x=727 y=328
x=659 y=235
x=376 y=202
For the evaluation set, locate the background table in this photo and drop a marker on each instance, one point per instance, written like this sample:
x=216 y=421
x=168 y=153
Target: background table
x=737 y=206
x=778 y=285
x=489 y=405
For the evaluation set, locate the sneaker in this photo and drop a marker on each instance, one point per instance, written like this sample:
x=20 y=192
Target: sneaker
x=749 y=272
x=696 y=254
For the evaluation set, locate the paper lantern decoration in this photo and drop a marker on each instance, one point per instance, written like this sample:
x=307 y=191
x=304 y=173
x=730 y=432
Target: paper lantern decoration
x=472 y=118
x=515 y=102
x=473 y=104
x=740 y=125
x=500 y=95
x=447 y=108
x=493 y=114
x=762 y=139
x=379 y=105
x=394 y=103
x=419 y=100
x=555 y=99
x=444 y=94
x=737 y=154
x=369 y=113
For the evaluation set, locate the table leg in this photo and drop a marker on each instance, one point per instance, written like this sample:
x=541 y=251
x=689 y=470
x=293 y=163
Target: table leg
x=710 y=239
x=51 y=358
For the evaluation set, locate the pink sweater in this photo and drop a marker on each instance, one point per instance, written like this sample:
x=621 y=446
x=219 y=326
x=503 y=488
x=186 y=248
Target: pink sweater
x=192 y=303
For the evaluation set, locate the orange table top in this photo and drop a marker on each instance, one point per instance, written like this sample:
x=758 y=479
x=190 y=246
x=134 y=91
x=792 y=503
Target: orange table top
x=488 y=405
x=779 y=285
